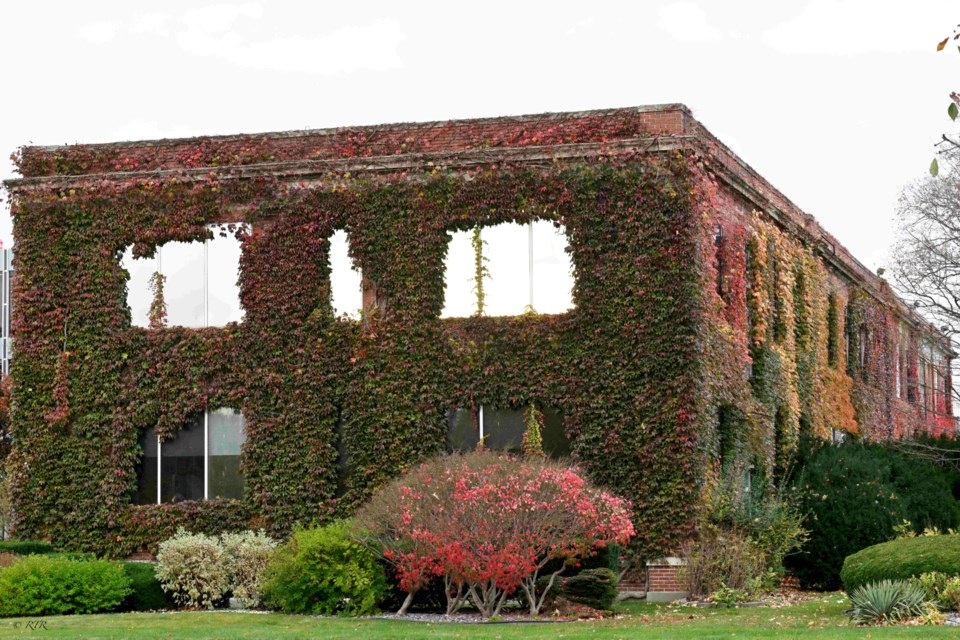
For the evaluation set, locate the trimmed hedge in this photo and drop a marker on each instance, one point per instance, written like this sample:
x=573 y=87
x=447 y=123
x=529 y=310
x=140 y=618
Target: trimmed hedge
x=39 y=585
x=902 y=559
x=25 y=547
x=147 y=594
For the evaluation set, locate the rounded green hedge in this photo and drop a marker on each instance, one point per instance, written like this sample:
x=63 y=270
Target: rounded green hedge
x=901 y=559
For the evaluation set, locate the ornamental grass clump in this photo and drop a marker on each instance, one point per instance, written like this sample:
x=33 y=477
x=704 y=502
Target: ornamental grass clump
x=489 y=524
x=193 y=569
x=887 y=601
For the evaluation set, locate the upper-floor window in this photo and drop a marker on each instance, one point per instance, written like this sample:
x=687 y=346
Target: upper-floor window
x=833 y=331
x=718 y=247
x=508 y=269
x=200 y=280
x=201 y=462
x=864 y=352
x=346 y=290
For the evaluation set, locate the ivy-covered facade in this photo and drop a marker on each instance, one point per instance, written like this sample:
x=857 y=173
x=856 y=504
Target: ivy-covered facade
x=715 y=325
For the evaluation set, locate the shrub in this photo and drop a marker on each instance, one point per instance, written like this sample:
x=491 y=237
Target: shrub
x=192 y=568
x=942 y=590
x=902 y=559
x=38 y=585
x=728 y=596
x=72 y=555
x=722 y=559
x=147 y=593
x=324 y=571
x=7 y=559
x=744 y=538
x=595 y=588
x=25 y=547
x=854 y=495
x=886 y=601
x=489 y=524
x=247 y=555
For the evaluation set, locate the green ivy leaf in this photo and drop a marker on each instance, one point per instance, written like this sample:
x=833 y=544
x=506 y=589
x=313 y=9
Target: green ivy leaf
x=952 y=111
x=934 y=168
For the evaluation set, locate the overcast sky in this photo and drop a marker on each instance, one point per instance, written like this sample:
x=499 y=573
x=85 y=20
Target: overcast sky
x=836 y=102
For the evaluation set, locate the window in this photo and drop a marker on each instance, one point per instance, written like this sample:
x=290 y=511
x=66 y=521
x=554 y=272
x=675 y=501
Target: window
x=503 y=429
x=833 y=331
x=898 y=371
x=201 y=462
x=201 y=280
x=346 y=289
x=901 y=361
x=718 y=246
x=526 y=267
x=864 y=355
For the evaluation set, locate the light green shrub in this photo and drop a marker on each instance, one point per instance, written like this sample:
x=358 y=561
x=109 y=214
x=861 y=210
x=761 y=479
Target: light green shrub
x=247 y=555
x=192 y=568
x=941 y=589
x=39 y=585
x=324 y=571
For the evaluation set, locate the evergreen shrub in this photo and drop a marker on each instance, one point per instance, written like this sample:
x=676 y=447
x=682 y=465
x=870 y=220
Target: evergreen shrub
x=853 y=495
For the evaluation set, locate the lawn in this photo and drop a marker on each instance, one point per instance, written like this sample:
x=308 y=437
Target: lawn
x=822 y=618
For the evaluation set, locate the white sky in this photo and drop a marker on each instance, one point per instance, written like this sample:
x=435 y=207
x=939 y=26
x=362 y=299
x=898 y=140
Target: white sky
x=836 y=102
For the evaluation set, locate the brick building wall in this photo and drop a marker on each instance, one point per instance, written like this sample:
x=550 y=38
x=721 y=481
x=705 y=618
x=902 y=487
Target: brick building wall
x=889 y=402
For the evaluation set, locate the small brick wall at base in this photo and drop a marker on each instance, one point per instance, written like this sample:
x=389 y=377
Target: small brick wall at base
x=665 y=580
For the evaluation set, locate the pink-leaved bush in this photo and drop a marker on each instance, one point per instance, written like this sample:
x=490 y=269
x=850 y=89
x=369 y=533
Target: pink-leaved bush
x=488 y=524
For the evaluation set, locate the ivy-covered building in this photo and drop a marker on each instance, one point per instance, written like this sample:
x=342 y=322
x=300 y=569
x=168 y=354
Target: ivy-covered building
x=677 y=318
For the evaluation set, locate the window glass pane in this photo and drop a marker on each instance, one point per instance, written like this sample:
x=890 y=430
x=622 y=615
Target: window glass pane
x=183 y=265
x=139 y=296
x=552 y=269
x=147 y=470
x=462 y=434
x=346 y=294
x=223 y=270
x=503 y=429
x=507 y=291
x=556 y=444
x=181 y=463
x=459 y=298
x=227 y=434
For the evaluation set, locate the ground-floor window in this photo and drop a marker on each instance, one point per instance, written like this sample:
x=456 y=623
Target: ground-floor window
x=201 y=462
x=503 y=429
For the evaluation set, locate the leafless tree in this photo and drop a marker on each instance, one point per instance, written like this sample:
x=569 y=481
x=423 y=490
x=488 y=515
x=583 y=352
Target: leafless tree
x=926 y=258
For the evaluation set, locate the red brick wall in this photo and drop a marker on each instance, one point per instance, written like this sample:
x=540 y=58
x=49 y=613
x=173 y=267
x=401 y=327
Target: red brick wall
x=666 y=578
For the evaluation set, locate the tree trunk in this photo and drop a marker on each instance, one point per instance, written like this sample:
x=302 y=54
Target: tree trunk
x=406 y=604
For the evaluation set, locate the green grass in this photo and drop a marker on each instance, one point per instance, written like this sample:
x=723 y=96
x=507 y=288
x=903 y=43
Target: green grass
x=822 y=618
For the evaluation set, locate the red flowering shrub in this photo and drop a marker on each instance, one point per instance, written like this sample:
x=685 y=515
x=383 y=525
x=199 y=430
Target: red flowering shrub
x=488 y=524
